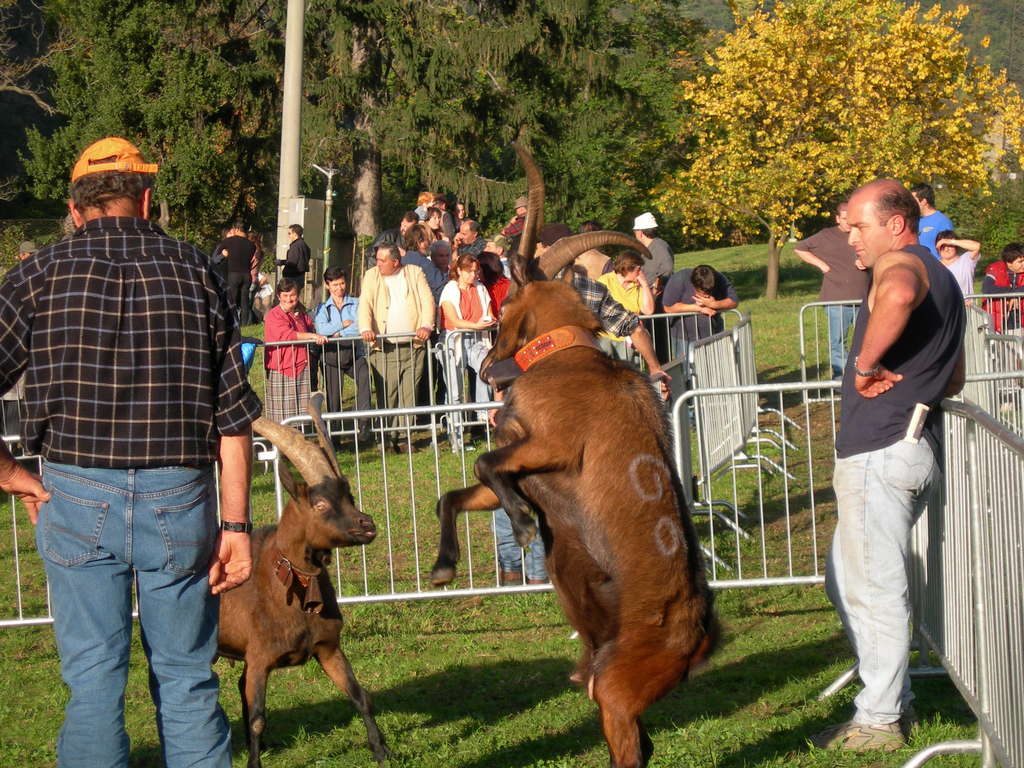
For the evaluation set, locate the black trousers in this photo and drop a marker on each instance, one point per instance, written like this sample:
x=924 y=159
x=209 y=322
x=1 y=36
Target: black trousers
x=238 y=295
x=340 y=358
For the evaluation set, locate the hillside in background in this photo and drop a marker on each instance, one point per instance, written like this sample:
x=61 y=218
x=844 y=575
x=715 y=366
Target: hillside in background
x=1000 y=20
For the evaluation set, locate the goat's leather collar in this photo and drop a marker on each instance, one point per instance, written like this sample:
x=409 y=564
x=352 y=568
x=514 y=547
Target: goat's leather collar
x=300 y=585
x=554 y=341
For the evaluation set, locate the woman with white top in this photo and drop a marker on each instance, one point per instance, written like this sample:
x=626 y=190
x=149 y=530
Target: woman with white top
x=959 y=256
x=466 y=306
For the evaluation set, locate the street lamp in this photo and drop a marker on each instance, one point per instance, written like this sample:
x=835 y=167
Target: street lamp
x=328 y=204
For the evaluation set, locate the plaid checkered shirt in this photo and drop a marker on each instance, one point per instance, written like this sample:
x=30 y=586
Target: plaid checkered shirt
x=614 y=317
x=130 y=346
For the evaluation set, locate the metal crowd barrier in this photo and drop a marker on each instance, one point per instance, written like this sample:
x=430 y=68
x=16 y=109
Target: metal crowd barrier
x=461 y=379
x=761 y=503
x=815 y=341
x=667 y=347
x=967 y=581
x=986 y=352
x=1003 y=308
x=441 y=369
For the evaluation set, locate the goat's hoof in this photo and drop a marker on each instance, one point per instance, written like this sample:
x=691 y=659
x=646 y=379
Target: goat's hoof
x=441 y=575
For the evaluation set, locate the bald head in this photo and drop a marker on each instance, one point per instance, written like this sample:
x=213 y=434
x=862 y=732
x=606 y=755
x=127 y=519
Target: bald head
x=883 y=217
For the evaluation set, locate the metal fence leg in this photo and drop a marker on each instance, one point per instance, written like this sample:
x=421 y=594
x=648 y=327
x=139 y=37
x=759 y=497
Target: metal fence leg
x=839 y=683
x=963 y=747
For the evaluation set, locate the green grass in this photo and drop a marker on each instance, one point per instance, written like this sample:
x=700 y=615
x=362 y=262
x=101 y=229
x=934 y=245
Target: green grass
x=482 y=682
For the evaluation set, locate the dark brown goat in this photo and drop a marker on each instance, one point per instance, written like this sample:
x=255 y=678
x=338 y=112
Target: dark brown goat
x=287 y=611
x=583 y=445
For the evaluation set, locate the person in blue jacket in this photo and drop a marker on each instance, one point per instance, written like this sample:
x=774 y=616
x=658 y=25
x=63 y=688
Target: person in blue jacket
x=336 y=319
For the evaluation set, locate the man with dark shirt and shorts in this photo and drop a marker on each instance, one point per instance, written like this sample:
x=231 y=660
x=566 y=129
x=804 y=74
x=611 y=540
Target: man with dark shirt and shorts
x=906 y=356
x=844 y=278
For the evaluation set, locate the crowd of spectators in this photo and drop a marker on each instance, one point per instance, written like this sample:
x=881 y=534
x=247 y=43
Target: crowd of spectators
x=436 y=274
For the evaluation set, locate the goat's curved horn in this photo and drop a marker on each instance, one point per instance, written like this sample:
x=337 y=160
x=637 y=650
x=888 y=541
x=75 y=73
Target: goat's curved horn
x=534 y=202
x=315 y=407
x=304 y=456
x=565 y=251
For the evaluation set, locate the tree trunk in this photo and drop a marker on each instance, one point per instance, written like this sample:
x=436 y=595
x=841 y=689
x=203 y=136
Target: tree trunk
x=774 y=249
x=366 y=190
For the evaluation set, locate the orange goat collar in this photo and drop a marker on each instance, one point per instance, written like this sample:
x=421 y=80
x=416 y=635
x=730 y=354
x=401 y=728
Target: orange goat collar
x=548 y=343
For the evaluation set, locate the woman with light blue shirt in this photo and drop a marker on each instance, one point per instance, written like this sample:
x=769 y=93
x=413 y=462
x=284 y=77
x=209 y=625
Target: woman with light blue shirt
x=336 y=318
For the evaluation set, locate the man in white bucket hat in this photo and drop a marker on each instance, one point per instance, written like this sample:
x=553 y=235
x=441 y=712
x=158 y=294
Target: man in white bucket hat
x=660 y=266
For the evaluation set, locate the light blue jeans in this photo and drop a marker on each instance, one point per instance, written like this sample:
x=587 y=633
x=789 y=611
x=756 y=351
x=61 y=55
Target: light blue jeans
x=880 y=494
x=510 y=554
x=102 y=529
x=840 y=318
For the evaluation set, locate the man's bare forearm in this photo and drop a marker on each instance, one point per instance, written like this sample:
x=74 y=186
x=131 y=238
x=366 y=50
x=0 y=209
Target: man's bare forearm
x=235 y=457
x=642 y=341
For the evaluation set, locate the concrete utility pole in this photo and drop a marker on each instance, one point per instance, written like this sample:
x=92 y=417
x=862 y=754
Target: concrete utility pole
x=291 y=121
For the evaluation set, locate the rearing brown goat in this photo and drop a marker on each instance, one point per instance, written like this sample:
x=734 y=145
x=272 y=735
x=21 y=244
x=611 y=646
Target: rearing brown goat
x=583 y=445
x=287 y=610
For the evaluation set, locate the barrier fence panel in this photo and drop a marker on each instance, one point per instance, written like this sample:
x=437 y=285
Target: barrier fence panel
x=1003 y=308
x=967 y=585
x=987 y=352
x=663 y=327
x=765 y=512
x=826 y=331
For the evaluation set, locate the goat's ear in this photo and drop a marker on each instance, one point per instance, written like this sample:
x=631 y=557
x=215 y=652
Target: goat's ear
x=284 y=473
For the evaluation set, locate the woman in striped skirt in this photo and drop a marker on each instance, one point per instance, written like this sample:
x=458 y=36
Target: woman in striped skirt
x=287 y=379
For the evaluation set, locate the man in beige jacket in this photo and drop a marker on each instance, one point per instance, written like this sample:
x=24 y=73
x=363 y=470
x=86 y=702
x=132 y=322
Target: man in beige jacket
x=396 y=316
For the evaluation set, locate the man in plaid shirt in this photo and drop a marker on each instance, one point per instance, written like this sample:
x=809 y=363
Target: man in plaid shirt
x=134 y=387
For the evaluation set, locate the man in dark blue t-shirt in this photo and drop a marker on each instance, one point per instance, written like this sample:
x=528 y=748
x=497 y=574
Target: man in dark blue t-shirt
x=906 y=355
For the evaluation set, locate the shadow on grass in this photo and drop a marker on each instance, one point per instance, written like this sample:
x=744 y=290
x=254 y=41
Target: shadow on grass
x=463 y=700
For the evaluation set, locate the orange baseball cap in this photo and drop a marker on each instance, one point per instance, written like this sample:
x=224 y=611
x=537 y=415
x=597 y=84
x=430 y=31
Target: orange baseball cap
x=111 y=154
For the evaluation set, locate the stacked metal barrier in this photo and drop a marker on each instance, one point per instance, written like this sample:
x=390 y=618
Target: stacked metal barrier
x=967 y=581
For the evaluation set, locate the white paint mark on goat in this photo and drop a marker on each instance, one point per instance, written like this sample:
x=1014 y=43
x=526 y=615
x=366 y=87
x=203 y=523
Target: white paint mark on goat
x=654 y=487
x=667 y=535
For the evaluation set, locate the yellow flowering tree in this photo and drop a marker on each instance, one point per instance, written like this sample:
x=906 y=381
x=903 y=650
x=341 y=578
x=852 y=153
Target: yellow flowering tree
x=800 y=105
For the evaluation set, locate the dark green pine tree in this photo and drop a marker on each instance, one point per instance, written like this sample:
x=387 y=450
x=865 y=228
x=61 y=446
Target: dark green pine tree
x=195 y=82
x=438 y=90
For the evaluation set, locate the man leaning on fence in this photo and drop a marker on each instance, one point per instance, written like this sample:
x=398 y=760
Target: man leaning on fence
x=907 y=354
x=134 y=387
x=843 y=279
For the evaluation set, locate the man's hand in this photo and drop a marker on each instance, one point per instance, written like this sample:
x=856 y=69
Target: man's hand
x=28 y=487
x=368 y=336
x=231 y=564
x=881 y=382
x=825 y=268
x=424 y=333
x=320 y=339
x=662 y=382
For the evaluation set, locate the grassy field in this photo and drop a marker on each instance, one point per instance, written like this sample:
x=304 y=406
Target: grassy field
x=482 y=682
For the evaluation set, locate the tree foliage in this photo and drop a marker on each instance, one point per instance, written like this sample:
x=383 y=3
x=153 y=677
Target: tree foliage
x=805 y=103
x=194 y=82
x=421 y=94
x=447 y=85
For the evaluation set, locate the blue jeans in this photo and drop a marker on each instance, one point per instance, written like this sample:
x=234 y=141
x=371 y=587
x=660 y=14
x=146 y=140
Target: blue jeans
x=880 y=494
x=102 y=530
x=510 y=554
x=840 y=318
